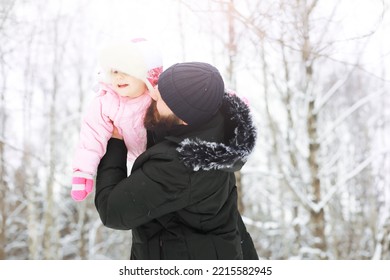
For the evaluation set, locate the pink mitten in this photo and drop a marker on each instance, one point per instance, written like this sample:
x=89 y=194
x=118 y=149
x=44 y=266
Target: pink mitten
x=82 y=185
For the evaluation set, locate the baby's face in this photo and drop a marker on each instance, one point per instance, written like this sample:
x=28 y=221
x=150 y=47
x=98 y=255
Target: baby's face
x=126 y=85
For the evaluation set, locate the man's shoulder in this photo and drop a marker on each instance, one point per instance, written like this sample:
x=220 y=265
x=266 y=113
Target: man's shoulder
x=166 y=148
x=164 y=151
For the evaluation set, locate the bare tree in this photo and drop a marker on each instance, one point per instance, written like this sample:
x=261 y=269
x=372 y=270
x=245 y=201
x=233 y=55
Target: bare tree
x=299 y=140
x=317 y=187
x=6 y=17
x=3 y=183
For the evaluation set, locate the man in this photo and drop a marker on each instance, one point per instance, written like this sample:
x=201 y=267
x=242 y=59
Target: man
x=181 y=200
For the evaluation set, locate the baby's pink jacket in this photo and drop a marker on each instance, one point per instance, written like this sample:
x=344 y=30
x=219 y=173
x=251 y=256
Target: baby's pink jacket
x=126 y=113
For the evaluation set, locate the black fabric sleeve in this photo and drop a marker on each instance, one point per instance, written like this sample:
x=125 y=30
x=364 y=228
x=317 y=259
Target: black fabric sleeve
x=111 y=170
x=247 y=246
x=157 y=187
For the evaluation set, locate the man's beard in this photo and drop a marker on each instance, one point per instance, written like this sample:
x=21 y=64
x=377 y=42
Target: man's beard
x=154 y=121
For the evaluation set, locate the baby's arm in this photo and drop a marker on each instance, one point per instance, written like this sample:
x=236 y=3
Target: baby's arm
x=96 y=130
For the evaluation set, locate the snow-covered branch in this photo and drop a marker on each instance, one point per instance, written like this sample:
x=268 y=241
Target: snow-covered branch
x=18 y=149
x=360 y=103
x=352 y=174
x=334 y=89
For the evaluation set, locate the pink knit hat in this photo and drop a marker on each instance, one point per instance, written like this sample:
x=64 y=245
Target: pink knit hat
x=138 y=58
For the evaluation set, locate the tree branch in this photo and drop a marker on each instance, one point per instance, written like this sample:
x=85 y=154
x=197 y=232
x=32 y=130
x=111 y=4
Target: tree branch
x=349 y=112
x=334 y=89
x=353 y=173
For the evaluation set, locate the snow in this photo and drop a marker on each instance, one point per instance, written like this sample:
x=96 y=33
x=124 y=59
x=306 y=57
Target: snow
x=49 y=47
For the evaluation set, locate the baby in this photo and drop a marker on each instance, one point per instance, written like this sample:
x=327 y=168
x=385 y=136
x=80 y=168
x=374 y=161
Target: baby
x=131 y=71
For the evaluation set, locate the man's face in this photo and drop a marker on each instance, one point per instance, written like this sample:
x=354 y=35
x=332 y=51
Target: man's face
x=159 y=116
x=161 y=106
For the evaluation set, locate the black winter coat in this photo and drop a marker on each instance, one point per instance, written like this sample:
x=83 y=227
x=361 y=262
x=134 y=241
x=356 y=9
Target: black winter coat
x=181 y=199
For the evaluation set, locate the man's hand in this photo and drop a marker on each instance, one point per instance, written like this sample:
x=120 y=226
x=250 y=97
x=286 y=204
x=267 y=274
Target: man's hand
x=115 y=134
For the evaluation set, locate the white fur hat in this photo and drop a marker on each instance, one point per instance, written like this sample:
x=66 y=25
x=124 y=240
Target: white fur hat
x=138 y=58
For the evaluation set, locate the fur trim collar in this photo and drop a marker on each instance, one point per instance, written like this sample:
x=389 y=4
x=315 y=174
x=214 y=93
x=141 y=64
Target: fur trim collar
x=231 y=156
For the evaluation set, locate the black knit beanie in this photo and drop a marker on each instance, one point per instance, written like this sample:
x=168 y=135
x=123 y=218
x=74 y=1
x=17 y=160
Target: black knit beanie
x=192 y=90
